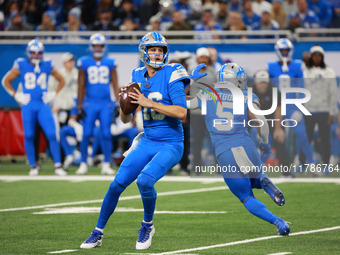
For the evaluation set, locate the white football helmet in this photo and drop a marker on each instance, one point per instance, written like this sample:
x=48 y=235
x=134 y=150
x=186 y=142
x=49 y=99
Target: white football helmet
x=149 y=40
x=97 y=39
x=37 y=47
x=233 y=73
x=281 y=45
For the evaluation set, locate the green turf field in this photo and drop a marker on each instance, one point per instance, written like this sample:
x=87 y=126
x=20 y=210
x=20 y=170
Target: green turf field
x=184 y=220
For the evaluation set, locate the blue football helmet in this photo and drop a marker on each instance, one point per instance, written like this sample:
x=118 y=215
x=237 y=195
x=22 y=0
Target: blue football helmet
x=37 y=47
x=149 y=40
x=97 y=39
x=284 y=49
x=233 y=73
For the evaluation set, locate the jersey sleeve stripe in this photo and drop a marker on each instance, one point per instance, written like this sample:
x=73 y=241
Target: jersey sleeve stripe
x=178 y=74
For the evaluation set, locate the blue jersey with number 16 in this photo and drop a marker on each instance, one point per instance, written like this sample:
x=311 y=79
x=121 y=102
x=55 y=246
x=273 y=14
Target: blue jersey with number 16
x=165 y=87
x=98 y=76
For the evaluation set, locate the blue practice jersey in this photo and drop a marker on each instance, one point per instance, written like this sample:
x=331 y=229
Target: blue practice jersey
x=226 y=129
x=33 y=83
x=98 y=76
x=165 y=87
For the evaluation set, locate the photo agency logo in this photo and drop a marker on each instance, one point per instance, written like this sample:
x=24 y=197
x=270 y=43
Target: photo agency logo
x=232 y=103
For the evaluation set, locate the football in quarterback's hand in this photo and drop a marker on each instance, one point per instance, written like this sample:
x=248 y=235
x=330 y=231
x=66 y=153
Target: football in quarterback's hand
x=125 y=101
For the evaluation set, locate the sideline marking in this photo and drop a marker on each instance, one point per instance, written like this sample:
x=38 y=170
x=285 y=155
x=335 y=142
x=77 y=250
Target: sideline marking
x=161 y=194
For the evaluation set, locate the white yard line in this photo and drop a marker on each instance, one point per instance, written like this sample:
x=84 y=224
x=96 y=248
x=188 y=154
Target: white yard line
x=281 y=253
x=77 y=210
x=160 y=194
x=59 y=252
x=242 y=242
x=166 y=178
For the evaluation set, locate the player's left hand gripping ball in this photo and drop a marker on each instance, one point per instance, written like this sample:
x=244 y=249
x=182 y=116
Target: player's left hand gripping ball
x=125 y=101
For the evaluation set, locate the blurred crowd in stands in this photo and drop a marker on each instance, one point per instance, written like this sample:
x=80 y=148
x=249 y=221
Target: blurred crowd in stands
x=167 y=15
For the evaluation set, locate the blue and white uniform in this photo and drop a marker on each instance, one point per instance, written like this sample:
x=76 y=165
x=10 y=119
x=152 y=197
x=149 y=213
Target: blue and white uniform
x=161 y=146
x=236 y=152
x=97 y=103
x=34 y=82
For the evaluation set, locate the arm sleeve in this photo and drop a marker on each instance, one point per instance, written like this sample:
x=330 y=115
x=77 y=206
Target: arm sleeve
x=177 y=93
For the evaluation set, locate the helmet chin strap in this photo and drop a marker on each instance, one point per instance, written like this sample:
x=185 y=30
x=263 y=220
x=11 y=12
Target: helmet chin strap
x=36 y=63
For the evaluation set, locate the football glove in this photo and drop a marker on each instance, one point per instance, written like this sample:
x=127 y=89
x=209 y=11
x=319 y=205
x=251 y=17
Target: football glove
x=195 y=75
x=265 y=151
x=78 y=129
x=48 y=97
x=81 y=114
x=22 y=98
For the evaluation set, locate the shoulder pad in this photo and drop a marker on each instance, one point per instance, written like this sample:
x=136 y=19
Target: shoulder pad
x=178 y=72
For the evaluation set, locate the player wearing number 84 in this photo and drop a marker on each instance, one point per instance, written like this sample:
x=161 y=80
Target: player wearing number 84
x=34 y=99
x=163 y=102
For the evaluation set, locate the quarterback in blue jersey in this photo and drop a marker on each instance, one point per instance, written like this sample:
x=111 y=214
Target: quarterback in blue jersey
x=163 y=101
x=236 y=153
x=34 y=99
x=96 y=74
x=287 y=73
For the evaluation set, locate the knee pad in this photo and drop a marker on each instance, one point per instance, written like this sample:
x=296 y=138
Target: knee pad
x=115 y=187
x=145 y=181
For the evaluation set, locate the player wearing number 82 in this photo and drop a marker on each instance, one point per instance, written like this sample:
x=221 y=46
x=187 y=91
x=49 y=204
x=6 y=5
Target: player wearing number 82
x=96 y=73
x=163 y=102
x=34 y=99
